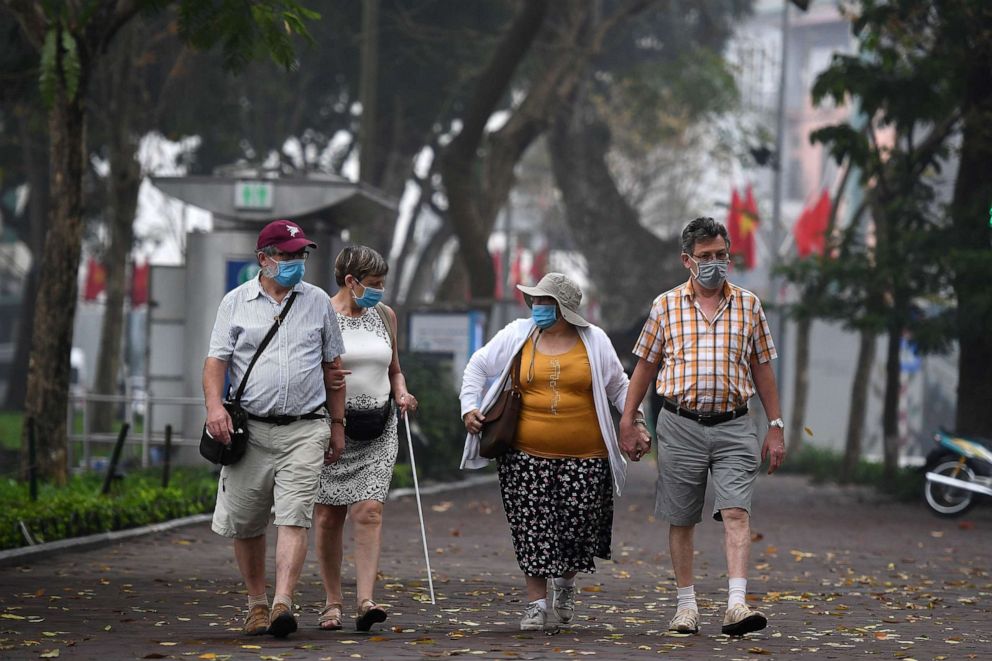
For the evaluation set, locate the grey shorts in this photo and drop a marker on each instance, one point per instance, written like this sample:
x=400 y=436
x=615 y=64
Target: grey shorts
x=282 y=468
x=689 y=452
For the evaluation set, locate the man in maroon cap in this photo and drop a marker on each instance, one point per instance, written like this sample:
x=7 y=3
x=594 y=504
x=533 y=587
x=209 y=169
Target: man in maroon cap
x=287 y=395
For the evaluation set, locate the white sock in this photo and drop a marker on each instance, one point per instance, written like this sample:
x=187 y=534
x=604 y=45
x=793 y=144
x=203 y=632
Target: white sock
x=687 y=598
x=284 y=599
x=738 y=588
x=562 y=582
x=258 y=600
x=543 y=603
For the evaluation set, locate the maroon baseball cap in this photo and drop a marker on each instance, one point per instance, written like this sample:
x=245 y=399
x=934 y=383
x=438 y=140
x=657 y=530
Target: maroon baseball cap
x=285 y=235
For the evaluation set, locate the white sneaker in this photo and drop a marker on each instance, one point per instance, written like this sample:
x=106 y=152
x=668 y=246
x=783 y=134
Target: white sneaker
x=534 y=618
x=563 y=601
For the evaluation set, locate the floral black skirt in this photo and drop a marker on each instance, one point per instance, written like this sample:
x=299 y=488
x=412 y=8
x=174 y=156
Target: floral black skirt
x=560 y=512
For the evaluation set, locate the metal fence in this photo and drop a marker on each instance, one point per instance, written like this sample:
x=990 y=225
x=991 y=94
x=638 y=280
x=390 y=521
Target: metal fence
x=136 y=404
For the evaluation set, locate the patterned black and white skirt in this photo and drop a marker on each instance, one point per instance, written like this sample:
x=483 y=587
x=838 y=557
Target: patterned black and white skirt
x=363 y=472
x=560 y=512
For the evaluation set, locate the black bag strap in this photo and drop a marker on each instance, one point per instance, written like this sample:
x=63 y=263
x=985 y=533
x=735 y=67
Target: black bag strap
x=265 y=343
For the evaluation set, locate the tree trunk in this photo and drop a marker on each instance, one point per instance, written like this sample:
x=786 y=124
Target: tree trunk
x=421 y=280
x=800 y=385
x=36 y=165
x=890 y=409
x=48 y=374
x=125 y=181
x=604 y=225
x=859 y=405
x=972 y=230
x=368 y=88
x=459 y=162
x=123 y=184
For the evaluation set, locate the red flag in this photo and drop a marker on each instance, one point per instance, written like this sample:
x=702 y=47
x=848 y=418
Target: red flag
x=749 y=227
x=734 y=222
x=810 y=230
x=742 y=224
x=139 y=284
x=96 y=280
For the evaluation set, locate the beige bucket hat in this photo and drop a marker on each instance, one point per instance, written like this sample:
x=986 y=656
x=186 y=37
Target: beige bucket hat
x=561 y=288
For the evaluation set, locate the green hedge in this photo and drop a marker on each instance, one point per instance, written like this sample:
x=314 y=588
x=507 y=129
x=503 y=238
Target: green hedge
x=79 y=509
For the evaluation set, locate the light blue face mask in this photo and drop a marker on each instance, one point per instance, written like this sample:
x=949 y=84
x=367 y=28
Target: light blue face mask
x=370 y=298
x=544 y=316
x=290 y=272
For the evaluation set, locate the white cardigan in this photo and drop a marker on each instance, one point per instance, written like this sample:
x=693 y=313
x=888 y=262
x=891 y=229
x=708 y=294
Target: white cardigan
x=488 y=369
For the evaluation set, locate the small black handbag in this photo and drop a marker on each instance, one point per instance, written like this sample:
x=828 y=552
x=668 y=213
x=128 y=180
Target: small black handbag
x=368 y=424
x=211 y=448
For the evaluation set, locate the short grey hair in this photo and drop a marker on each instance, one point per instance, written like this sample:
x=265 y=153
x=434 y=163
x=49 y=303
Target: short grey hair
x=270 y=251
x=359 y=262
x=701 y=229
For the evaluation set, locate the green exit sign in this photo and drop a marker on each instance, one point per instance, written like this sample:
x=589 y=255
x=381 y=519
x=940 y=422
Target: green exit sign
x=253 y=195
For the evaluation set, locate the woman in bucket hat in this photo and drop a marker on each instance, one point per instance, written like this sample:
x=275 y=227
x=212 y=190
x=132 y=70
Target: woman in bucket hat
x=556 y=480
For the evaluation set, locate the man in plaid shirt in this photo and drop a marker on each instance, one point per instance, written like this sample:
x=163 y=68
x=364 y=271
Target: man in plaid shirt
x=707 y=346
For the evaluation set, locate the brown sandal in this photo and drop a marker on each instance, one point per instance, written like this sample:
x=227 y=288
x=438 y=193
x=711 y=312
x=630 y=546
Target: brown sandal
x=330 y=618
x=369 y=613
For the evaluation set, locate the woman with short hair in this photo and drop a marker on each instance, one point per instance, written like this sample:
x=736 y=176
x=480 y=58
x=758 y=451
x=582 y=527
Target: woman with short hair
x=357 y=484
x=556 y=480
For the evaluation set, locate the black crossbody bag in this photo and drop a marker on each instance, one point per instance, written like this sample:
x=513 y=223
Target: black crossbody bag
x=211 y=448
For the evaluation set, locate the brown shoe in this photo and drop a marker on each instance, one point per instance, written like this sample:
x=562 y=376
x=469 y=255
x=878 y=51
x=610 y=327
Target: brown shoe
x=740 y=620
x=281 y=621
x=257 y=621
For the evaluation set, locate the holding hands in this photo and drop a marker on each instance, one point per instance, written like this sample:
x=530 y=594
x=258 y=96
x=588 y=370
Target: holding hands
x=635 y=441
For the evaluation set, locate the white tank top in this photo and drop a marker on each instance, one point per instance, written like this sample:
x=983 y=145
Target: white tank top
x=368 y=354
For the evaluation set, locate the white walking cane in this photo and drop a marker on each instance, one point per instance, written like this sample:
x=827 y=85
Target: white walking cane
x=420 y=509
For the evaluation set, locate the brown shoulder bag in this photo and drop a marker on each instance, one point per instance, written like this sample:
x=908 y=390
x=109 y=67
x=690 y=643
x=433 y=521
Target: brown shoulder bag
x=499 y=431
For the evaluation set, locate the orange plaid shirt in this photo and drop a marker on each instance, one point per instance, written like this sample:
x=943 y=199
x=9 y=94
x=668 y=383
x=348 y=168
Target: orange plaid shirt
x=705 y=366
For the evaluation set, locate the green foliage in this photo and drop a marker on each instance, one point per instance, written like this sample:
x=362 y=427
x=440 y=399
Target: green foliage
x=824 y=466
x=438 y=432
x=55 y=65
x=78 y=508
x=245 y=31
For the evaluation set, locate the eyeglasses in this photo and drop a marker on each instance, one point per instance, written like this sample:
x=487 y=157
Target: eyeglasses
x=286 y=256
x=707 y=257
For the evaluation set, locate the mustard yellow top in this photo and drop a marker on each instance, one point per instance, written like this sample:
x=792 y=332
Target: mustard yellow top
x=557 y=413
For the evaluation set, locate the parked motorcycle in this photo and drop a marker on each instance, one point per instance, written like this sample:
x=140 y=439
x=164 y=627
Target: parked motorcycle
x=959 y=473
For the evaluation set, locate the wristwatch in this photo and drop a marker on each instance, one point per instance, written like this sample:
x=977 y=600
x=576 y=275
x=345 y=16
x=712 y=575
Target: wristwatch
x=339 y=421
x=777 y=422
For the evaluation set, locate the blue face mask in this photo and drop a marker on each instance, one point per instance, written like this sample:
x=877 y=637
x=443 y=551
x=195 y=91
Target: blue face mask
x=370 y=298
x=544 y=316
x=290 y=272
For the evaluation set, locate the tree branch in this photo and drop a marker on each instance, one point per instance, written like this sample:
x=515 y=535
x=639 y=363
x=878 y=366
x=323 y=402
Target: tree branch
x=32 y=18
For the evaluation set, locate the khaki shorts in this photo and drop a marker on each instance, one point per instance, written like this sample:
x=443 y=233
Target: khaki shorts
x=689 y=452
x=282 y=468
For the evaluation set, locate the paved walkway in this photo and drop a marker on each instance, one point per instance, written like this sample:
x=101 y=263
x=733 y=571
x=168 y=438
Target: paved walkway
x=840 y=572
